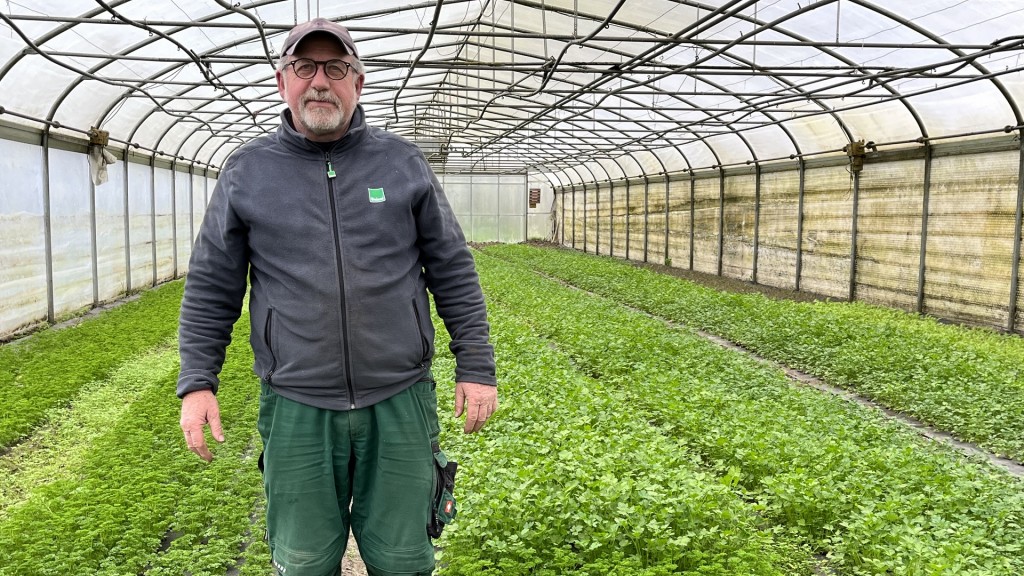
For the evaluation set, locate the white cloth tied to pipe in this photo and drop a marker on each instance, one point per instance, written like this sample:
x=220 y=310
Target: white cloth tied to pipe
x=99 y=158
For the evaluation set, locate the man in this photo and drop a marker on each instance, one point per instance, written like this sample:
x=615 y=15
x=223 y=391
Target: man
x=341 y=228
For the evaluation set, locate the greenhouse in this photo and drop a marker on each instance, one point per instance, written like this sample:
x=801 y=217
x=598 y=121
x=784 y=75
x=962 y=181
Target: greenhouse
x=751 y=272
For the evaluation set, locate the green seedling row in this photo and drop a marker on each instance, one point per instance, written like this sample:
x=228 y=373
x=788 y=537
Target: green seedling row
x=216 y=517
x=57 y=449
x=965 y=381
x=571 y=478
x=129 y=498
x=870 y=494
x=47 y=369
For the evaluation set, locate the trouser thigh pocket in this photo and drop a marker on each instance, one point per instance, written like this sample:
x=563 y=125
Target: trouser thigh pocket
x=442 y=506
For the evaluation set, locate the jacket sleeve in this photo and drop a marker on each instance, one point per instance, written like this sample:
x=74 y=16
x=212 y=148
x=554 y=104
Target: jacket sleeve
x=214 y=290
x=452 y=279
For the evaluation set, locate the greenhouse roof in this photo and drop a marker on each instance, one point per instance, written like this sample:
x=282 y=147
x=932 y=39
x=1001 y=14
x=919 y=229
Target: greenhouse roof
x=630 y=86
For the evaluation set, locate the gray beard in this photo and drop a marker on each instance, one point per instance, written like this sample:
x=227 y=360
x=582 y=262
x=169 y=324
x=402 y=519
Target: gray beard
x=321 y=121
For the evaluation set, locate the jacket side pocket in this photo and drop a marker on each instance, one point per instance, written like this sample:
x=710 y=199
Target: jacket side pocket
x=424 y=341
x=268 y=340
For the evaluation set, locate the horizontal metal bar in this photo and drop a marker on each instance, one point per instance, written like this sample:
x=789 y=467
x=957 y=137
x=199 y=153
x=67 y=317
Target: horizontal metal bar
x=516 y=34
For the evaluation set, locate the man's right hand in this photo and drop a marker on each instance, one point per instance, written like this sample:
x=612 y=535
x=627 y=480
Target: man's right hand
x=198 y=409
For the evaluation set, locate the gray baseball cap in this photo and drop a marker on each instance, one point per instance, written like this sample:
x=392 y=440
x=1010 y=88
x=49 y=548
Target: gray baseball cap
x=318 y=25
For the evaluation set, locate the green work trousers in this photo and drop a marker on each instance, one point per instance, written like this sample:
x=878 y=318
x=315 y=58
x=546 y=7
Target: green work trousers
x=370 y=470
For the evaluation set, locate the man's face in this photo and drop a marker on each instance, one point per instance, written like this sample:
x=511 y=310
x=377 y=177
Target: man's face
x=321 y=108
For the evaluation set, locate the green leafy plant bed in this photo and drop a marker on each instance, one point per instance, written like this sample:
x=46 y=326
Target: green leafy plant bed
x=47 y=369
x=624 y=446
x=572 y=479
x=56 y=450
x=965 y=381
x=134 y=484
x=872 y=495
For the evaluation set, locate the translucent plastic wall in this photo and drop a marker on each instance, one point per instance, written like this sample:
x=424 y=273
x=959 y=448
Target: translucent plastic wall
x=541 y=222
x=69 y=245
x=107 y=240
x=932 y=230
x=137 y=229
x=490 y=208
x=22 y=258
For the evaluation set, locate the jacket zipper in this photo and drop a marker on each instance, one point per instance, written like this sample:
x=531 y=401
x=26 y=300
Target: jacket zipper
x=341 y=280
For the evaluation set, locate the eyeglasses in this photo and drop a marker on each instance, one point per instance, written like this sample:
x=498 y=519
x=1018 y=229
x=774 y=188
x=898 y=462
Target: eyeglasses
x=305 y=68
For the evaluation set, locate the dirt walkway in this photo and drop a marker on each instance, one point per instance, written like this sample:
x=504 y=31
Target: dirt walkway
x=352 y=564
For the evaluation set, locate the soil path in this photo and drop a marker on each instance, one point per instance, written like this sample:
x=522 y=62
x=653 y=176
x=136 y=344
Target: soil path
x=352 y=564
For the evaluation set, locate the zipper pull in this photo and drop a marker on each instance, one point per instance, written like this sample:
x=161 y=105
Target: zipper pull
x=330 y=169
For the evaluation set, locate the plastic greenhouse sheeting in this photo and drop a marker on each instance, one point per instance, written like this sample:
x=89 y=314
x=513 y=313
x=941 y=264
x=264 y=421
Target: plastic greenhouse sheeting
x=532 y=86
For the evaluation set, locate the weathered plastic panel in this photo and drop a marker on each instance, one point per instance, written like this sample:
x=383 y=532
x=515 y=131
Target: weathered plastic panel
x=706 y=210
x=71 y=232
x=617 y=219
x=165 y=229
x=637 y=224
x=971 y=215
x=679 y=222
x=22 y=252
x=828 y=211
x=738 y=227
x=603 y=205
x=656 y=250
x=889 y=233
x=182 y=221
x=777 y=231
x=140 y=225
x=110 y=253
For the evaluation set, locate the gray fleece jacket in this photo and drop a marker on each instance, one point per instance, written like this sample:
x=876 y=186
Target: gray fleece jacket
x=340 y=249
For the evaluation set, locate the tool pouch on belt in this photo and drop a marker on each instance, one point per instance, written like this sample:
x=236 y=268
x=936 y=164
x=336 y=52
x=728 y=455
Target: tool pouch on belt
x=442 y=506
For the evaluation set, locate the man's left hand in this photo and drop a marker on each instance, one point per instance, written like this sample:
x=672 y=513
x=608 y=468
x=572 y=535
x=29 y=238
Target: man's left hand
x=479 y=401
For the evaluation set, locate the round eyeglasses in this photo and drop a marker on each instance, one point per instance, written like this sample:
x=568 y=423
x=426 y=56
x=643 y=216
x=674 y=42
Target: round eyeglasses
x=305 y=68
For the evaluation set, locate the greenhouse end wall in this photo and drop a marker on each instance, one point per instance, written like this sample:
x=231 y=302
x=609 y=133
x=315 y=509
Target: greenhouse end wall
x=489 y=207
x=933 y=231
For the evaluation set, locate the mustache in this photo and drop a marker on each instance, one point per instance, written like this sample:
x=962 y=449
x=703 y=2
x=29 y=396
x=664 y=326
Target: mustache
x=313 y=95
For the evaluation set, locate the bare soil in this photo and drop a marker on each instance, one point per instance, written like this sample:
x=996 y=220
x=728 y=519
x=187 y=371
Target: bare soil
x=352 y=564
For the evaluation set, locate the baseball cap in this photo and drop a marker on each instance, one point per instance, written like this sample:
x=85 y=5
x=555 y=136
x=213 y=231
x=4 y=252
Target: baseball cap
x=318 y=25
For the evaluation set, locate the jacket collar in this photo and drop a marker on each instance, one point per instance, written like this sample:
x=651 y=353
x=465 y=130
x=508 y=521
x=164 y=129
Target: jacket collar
x=291 y=137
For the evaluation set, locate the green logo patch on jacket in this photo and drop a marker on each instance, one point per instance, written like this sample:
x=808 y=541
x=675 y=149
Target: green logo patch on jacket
x=376 y=194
